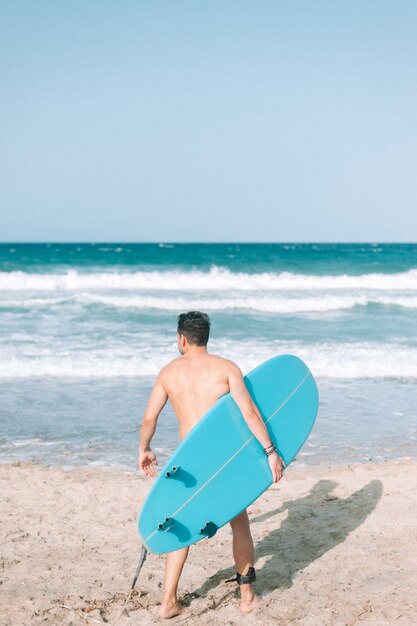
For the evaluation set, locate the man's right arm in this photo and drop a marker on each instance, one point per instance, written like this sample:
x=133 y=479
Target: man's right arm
x=157 y=401
x=252 y=417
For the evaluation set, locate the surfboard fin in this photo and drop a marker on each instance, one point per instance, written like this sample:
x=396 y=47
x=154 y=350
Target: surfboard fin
x=209 y=529
x=173 y=469
x=167 y=524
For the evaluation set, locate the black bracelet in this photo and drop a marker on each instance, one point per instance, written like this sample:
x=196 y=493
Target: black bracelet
x=270 y=450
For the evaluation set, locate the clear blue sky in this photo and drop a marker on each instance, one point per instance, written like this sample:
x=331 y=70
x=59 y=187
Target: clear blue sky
x=215 y=120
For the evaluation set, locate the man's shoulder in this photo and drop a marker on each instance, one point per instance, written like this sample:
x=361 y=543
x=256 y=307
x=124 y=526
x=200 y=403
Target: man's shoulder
x=227 y=364
x=169 y=367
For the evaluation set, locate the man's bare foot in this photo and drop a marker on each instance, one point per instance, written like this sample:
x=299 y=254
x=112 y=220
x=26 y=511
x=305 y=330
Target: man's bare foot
x=170 y=609
x=248 y=602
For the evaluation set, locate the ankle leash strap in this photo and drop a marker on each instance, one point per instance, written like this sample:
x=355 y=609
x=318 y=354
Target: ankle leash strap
x=244 y=580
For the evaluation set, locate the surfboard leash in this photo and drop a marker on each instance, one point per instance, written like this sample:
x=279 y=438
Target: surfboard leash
x=142 y=558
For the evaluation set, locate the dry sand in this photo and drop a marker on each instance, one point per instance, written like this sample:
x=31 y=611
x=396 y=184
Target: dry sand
x=335 y=545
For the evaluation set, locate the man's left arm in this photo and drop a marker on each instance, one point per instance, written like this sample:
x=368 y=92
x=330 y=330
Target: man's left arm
x=253 y=418
x=157 y=401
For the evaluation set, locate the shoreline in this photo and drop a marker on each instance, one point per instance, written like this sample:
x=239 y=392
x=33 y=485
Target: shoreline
x=334 y=544
x=302 y=465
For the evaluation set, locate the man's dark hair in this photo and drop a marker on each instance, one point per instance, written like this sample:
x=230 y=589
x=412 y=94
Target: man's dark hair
x=195 y=326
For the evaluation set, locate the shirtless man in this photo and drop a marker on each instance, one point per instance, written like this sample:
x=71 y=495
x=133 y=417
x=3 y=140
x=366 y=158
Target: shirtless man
x=193 y=383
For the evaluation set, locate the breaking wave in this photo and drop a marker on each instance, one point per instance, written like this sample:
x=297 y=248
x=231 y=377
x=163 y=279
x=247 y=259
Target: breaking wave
x=278 y=303
x=326 y=360
x=216 y=279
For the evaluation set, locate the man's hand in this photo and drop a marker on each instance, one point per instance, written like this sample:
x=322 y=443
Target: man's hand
x=147 y=460
x=277 y=465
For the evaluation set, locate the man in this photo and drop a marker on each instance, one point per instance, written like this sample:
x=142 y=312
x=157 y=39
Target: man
x=193 y=382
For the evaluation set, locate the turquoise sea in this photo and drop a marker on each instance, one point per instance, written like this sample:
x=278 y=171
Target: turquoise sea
x=84 y=329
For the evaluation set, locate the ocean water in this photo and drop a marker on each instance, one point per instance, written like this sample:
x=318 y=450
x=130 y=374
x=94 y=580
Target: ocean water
x=84 y=329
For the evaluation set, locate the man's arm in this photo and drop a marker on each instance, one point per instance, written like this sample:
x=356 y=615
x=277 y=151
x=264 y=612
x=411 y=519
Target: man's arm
x=252 y=417
x=157 y=401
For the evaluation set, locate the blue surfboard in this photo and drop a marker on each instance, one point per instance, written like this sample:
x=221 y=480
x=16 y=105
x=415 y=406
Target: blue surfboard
x=220 y=468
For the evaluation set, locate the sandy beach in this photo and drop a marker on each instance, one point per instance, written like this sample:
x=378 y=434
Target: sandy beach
x=335 y=545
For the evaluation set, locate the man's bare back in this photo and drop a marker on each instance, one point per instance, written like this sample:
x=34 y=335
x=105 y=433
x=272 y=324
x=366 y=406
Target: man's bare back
x=193 y=383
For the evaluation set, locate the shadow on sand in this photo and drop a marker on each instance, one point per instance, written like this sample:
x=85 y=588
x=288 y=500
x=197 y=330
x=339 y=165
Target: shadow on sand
x=315 y=524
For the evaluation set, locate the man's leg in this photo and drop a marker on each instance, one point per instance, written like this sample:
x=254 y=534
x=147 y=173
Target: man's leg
x=173 y=568
x=244 y=558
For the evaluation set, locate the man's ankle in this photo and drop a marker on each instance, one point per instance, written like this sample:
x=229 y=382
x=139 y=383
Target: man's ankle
x=169 y=599
x=246 y=591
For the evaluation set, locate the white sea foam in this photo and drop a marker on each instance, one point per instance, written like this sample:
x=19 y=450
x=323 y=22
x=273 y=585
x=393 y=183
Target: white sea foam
x=214 y=280
x=26 y=442
x=19 y=443
x=258 y=301
x=261 y=303
x=266 y=304
x=32 y=303
x=327 y=360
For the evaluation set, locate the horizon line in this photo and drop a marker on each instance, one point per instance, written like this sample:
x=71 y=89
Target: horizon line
x=168 y=242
